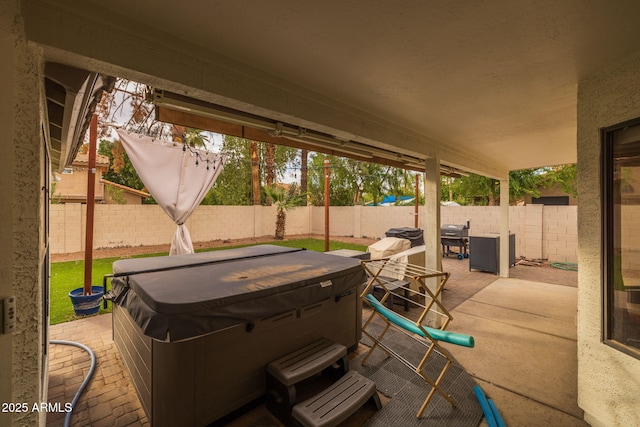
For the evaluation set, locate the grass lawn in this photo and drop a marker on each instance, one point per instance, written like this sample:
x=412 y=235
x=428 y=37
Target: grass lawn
x=66 y=276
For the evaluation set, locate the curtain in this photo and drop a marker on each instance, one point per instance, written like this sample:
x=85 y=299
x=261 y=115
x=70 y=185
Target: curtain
x=177 y=177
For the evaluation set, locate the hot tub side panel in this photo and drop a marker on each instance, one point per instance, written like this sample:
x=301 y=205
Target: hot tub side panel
x=135 y=350
x=198 y=381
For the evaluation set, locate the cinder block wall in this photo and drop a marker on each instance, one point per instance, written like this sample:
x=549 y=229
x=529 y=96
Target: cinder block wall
x=542 y=232
x=66 y=225
x=376 y=220
x=534 y=227
x=130 y=225
x=560 y=233
x=221 y=222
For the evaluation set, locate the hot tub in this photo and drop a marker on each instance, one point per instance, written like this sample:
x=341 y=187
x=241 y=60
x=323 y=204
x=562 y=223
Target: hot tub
x=197 y=331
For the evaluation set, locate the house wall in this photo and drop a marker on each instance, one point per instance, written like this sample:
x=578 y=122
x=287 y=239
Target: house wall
x=73 y=186
x=552 y=190
x=542 y=232
x=22 y=372
x=608 y=380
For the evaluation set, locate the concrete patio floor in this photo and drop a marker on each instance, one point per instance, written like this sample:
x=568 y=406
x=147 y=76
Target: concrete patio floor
x=524 y=359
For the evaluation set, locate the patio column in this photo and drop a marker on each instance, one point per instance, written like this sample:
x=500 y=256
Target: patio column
x=504 y=227
x=433 y=251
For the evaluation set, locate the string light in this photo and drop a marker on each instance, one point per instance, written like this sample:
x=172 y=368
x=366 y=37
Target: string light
x=203 y=156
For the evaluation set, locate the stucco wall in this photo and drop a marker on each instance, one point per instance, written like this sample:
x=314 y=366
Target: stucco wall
x=608 y=380
x=74 y=185
x=21 y=214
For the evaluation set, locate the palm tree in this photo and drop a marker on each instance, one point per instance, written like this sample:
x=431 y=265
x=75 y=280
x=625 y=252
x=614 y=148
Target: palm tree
x=284 y=201
x=195 y=138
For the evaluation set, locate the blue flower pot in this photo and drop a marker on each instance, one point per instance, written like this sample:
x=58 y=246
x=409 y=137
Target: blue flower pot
x=86 y=305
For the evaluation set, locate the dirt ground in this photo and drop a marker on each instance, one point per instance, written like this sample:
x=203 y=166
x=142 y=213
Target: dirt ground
x=137 y=250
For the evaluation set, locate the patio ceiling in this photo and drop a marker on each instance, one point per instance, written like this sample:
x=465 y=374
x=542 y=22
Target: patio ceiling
x=493 y=81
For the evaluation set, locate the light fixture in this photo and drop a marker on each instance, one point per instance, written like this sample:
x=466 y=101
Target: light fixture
x=331 y=145
x=174 y=101
x=277 y=132
x=452 y=171
x=275 y=128
x=415 y=165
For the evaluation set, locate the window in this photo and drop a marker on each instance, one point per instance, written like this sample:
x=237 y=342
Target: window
x=621 y=236
x=67 y=171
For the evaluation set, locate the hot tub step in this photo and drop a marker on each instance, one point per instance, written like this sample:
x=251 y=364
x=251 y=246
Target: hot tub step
x=285 y=374
x=336 y=403
x=308 y=361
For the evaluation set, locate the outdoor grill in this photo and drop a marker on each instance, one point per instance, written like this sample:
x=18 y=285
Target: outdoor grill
x=455 y=235
x=413 y=235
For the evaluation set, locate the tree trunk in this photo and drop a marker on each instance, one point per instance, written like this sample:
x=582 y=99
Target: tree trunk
x=255 y=172
x=280 y=224
x=270 y=168
x=304 y=154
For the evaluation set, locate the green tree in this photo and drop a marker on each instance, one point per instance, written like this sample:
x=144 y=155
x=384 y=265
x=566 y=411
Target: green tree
x=472 y=190
x=356 y=182
x=343 y=180
x=285 y=200
x=116 y=194
x=566 y=176
x=195 y=138
x=401 y=182
x=233 y=186
x=374 y=181
x=525 y=182
x=481 y=190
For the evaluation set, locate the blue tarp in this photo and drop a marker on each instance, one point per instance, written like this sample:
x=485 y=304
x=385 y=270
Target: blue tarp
x=392 y=199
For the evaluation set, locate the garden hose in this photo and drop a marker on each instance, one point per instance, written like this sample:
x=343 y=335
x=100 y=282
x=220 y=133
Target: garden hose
x=67 y=418
x=568 y=266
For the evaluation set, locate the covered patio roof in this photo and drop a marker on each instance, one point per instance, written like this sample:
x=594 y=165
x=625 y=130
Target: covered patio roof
x=483 y=86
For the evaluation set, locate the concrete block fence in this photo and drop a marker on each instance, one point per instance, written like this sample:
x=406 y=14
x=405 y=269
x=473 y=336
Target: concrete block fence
x=542 y=232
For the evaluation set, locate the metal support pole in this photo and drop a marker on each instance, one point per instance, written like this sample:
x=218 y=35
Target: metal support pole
x=326 y=204
x=417 y=200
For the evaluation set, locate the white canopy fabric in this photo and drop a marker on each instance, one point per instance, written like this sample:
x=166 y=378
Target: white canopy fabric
x=178 y=178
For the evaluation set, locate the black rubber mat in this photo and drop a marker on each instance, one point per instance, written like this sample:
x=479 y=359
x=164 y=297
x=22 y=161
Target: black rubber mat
x=407 y=390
